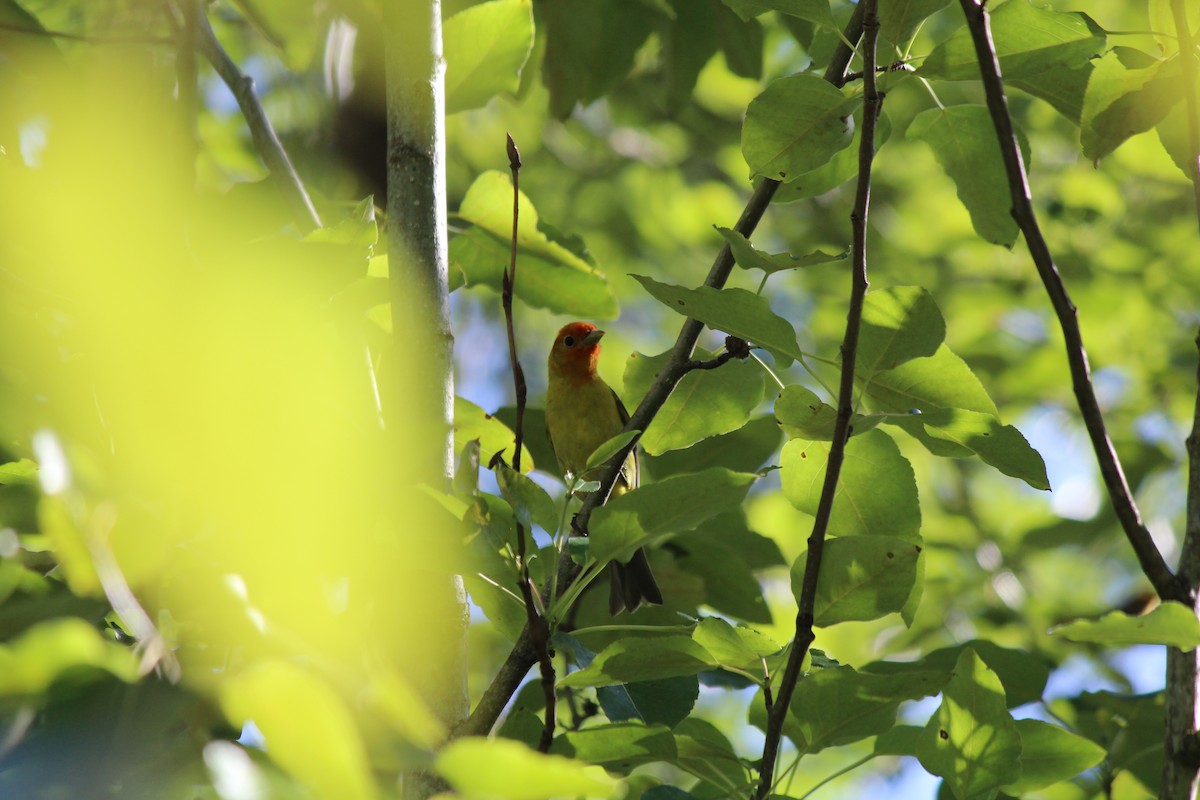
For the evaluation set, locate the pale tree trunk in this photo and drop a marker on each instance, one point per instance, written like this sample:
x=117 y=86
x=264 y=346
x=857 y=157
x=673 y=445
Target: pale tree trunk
x=418 y=264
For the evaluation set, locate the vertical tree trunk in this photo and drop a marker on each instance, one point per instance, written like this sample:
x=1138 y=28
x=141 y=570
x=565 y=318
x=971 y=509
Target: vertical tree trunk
x=419 y=379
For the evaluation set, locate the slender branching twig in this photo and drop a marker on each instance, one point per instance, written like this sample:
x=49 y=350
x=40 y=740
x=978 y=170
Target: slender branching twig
x=535 y=621
x=778 y=707
x=265 y=140
x=524 y=655
x=1148 y=555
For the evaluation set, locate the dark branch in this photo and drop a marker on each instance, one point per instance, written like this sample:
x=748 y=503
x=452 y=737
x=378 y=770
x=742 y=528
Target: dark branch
x=265 y=140
x=778 y=707
x=1148 y=555
x=535 y=621
x=734 y=348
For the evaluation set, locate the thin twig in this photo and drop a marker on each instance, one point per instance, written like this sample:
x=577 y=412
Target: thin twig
x=1187 y=61
x=895 y=66
x=523 y=655
x=265 y=140
x=535 y=620
x=1148 y=555
x=778 y=709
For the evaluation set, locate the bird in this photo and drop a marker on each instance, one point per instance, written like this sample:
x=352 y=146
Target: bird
x=582 y=413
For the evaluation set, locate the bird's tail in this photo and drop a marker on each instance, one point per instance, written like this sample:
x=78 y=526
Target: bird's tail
x=632 y=584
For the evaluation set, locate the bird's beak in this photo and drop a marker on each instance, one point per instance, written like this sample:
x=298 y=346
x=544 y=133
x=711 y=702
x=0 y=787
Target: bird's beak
x=592 y=338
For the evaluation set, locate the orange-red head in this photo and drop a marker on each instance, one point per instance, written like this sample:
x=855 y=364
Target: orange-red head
x=576 y=351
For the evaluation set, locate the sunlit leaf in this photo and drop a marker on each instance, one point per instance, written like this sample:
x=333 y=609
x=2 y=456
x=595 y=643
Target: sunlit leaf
x=971 y=740
x=876 y=492
x=735 y=311
x=750 y=257
x=642 y=659
x=705 y=403
x=797 y=124
x=1171 y=623
x=485 y=47
x=898 y=325
x=1050 y=754
x=861 y=578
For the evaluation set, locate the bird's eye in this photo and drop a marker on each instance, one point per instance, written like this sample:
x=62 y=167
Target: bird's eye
x=569 y=341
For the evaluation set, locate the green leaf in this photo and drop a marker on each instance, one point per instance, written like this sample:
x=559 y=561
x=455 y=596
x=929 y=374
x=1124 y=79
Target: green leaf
x=629 y=521
x=529 y=501
x=750 y=257
x=551 y=273
x=705 y=403
x=964 y=142
x=735 y=311
x=502 y=768
x=971 y=740
x=837 y=170
x=1123 y=101
x=486 y=47
x=741 y=450
x=1023 y=675
x=665 y=701
x=609 y=449
x=19 y=473
x=838 y=706
x=899 y=741
x=797 y=124
x=706 y=752
x=1030 y=40
x=1050 y=754
x=619 y=746
x=898 y=325
x=815 y=11
x=724 y=553
x=876 y=492
x=1172 y=624
x=472 y=422
x=740 y=648
x=803 y=415
x=642 y=658
x=899 y=20
x=942 y=380
x=861 y=578
x=1001 y=446
x=590 y=47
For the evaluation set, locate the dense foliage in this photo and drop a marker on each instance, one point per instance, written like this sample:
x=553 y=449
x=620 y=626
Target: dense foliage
x=219 y=578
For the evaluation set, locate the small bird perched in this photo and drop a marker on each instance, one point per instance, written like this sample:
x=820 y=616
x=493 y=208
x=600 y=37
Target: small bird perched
x=582 y=413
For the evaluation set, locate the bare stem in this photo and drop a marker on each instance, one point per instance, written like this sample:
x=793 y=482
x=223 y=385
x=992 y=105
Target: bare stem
x=778 y=707
x=1148 y=555
x=265 y=140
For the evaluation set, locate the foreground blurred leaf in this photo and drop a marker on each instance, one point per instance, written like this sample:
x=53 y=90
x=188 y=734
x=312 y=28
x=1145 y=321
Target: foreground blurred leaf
x=30 y=663
x=317 y=741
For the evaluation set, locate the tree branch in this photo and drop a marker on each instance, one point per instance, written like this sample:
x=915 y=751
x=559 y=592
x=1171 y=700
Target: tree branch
x=1148 y=555
x=523 y=655
x=779 y=705
x=1181 y=766
x=535 y=621
x=265 y=140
